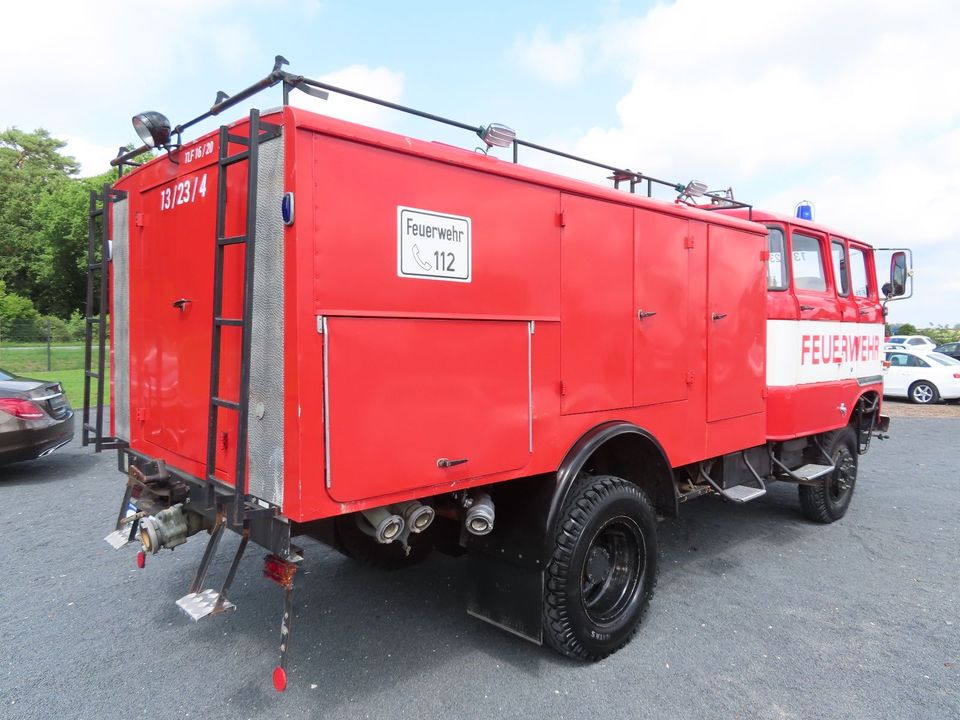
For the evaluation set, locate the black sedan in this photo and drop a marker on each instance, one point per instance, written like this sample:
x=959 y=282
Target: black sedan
x=952 y=349
x=35 y=418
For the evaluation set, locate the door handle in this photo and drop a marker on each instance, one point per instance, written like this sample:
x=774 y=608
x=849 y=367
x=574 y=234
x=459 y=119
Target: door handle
x=864 y=311
x=804 y=308
x=445 y=463
x=719 y=316
x=181 y=303
x=641 y=314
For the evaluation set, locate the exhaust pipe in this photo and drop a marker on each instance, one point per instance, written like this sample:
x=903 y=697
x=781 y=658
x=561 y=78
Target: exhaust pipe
x=480 y=515
x=417 y=517
x=382 y=525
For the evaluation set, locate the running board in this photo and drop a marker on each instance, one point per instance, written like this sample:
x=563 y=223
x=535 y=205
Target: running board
x=738 y=493
x=809 y=474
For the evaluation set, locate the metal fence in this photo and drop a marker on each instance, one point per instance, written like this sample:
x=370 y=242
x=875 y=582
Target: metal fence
x=42 y=344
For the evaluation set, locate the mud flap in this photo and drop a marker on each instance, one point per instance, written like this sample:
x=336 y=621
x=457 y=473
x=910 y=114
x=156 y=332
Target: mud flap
x=506 y=594
x=506 y=568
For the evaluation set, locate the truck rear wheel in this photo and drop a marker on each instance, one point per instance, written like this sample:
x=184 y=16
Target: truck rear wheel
x=357 y=545
x=828 y=501
x=603 y=569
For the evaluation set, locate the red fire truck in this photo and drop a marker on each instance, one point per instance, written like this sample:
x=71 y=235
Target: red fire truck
x=393 y=345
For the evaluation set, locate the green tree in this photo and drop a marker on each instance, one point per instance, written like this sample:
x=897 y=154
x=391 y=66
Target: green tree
x=31 y=168
x=907 y=329
x=18 y=316
x=58 y=275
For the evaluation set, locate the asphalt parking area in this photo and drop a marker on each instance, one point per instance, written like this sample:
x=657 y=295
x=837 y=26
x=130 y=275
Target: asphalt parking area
x=758 y=614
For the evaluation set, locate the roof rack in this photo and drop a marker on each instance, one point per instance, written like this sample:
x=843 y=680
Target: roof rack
x=718 y=199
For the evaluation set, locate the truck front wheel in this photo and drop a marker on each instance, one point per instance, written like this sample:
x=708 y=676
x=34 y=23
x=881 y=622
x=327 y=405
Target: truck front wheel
x=603 y=569
x=828 y=501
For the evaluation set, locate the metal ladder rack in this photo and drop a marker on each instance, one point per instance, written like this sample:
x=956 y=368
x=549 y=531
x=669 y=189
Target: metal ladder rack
x=96 y=313
x=259 y=131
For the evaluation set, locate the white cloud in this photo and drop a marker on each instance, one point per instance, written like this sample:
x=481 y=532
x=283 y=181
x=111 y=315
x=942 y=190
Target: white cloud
x=853 y=105
x=380 y=82
x=559 y=62
x=94 y=159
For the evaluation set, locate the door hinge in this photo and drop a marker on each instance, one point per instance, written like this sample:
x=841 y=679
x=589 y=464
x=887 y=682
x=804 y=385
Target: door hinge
x=563 y=388
x=141 y=414
x=140 y=220
x=763 y=391
x=688 y=242
x=690 y=377
x=561 y=220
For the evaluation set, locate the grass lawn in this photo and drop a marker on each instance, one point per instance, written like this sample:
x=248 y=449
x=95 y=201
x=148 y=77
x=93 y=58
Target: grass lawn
x=27 y=359
x=72 y=381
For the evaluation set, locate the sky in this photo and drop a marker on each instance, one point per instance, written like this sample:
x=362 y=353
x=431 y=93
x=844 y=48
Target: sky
x=853 y=105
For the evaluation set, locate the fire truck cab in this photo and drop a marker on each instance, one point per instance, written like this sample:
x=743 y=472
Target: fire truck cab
x=394 y=345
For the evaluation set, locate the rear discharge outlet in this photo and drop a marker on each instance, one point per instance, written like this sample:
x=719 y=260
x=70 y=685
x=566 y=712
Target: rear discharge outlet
x=381 y=524
x=416 y=516
x=480 y=515
x=168 y=528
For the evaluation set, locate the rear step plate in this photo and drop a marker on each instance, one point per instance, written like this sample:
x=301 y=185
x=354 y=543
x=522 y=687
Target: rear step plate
x=200 y=604
x=118 y=538
x=743 y=493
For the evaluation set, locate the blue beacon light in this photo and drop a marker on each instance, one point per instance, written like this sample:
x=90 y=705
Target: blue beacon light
x=805 y=210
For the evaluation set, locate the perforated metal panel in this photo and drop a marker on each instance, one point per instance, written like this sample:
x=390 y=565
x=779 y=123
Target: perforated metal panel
x=120 y=322
x=265 y=425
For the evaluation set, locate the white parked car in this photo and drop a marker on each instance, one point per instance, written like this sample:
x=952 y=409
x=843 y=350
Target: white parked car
x=922 y=377
x=913 y=342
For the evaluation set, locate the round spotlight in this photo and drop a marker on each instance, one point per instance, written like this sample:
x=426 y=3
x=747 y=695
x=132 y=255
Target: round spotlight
x=153 y=128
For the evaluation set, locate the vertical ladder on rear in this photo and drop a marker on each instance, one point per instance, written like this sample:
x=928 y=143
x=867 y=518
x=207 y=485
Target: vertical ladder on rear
x=258 y=132
x=96 y=313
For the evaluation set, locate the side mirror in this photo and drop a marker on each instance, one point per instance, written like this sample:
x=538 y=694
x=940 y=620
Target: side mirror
x=898 y=276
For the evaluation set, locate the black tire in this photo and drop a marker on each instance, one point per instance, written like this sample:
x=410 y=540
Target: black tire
x=603 y=569
x=923 y=393
x=828 y=502
x=357 y=545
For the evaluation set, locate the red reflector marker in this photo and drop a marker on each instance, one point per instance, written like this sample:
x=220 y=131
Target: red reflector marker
x=141 y=559
x=279 y=571
x=279 y=679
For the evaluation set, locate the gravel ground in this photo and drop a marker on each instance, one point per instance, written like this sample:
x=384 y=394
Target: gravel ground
x=902 y=408
x=758 y=614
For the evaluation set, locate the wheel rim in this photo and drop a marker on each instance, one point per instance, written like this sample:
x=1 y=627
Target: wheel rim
x=923 y=393
x=612 y=569
x=845 y=475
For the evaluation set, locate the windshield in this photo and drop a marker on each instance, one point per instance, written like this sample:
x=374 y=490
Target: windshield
x=5 y=375
x=942 y=359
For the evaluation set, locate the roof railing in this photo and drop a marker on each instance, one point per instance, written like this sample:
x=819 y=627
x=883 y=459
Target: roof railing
x=685 y=191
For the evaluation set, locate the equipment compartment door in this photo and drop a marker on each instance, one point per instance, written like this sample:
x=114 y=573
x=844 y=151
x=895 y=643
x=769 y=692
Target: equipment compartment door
x=596 y=305
x=736 y=323
x=171 y=299
x=405 y=394
x=661 y=296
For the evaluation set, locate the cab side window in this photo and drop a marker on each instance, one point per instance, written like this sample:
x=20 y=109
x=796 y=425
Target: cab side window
x=808 y=263
x=858 y=272
x=839 y=253
x=777 y=262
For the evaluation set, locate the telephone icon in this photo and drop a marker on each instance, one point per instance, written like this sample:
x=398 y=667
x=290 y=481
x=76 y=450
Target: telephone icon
x=416 y=256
